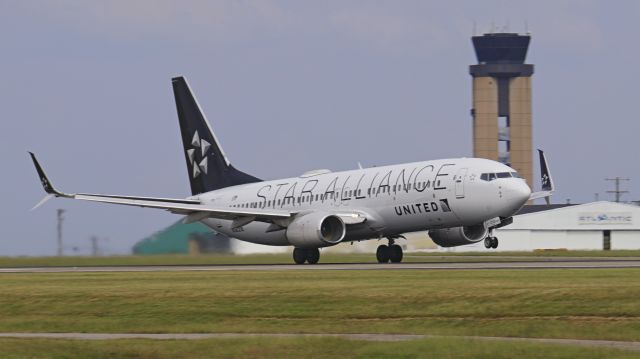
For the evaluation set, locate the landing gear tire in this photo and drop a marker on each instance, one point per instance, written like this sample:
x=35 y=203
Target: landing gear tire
x=383 y=253
x=313 y=255
x=491 y=242
x=395 y=255
x=299 y=255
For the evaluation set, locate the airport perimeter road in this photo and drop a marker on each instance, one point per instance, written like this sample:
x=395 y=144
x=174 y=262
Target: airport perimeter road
x=543 y=264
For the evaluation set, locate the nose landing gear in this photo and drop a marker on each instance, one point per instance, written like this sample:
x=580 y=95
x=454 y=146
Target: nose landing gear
x=491 y=242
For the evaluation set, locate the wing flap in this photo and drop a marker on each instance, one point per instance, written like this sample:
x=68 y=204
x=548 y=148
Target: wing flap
x=186 y=209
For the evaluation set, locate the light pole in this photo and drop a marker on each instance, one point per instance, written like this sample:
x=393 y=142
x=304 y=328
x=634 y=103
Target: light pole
x=60 y=219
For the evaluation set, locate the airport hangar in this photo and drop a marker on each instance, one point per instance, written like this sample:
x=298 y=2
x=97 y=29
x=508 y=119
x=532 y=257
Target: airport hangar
x=590 y=226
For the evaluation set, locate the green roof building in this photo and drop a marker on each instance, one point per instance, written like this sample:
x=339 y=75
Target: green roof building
x=180 y=238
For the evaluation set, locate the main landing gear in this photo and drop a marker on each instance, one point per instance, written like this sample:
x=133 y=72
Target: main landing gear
x=391 y=252
x=309 y=255
x=491 y=242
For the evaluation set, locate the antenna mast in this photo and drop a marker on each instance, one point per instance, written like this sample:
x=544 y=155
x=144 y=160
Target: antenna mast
x=617 y=191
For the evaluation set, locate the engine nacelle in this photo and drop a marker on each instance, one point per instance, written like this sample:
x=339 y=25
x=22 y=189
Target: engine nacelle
x=458 y=236
x=316 y=229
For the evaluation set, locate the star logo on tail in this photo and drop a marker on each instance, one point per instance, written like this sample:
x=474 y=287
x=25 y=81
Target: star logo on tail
x=198 y=155
x=545 y=179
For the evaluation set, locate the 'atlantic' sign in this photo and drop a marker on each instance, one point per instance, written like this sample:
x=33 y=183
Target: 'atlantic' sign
x=598 y=218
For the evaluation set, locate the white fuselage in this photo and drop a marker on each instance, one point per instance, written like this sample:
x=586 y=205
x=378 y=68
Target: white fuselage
x=395 y=199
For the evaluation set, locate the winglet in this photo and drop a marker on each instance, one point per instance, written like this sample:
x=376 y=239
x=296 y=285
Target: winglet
x=43 y=201
x=46 y=184
x=547 y=181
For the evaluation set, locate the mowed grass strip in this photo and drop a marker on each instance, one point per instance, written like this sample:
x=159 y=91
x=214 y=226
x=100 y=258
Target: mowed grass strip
x=316 y=348
x=570 y=303
x=285 y=258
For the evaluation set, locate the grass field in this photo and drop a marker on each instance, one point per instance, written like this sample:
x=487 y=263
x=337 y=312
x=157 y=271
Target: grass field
x=316 y=348
x=285 y=258
x=546 y=303
x=593 y=304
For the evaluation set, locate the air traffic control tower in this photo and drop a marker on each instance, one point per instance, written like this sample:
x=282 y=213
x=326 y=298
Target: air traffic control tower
x=502 y=101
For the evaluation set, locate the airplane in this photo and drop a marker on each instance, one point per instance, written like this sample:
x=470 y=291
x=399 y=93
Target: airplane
x=458 y=201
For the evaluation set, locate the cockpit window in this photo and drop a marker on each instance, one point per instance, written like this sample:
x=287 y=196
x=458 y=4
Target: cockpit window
x=492 y=176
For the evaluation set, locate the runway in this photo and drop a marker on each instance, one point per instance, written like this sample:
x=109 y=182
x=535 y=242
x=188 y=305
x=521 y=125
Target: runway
x=623 y=345
x=546 y=263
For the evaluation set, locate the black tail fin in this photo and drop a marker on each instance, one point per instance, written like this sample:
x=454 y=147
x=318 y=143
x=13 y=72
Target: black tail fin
x=208 y=167
x=545 y=174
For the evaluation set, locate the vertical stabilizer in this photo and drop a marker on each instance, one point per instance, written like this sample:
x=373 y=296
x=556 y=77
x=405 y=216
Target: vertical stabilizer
x=207 y=165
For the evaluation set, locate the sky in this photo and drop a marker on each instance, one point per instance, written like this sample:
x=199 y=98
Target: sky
x=288 y=86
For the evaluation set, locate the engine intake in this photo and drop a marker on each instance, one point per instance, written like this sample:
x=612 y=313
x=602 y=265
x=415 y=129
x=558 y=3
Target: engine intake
x=316 y=229
x=458 y=236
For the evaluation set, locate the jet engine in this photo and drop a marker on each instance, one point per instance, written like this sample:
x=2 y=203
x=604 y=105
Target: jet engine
x=458 y=236
x=316 y=229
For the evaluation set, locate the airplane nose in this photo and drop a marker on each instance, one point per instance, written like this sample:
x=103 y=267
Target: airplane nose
x=517 y=193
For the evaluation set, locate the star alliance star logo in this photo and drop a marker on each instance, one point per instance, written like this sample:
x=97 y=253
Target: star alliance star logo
x=545 y=179
x=45 y=183
x=198 y=155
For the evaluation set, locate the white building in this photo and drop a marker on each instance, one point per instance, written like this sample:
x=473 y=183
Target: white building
x=590 y=226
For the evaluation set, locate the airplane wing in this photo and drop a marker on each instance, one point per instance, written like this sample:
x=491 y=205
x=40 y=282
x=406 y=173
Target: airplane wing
x=194 y=209
x=547 y=182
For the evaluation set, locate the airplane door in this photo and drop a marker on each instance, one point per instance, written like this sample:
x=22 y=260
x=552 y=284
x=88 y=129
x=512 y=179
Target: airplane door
x=460 y=178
